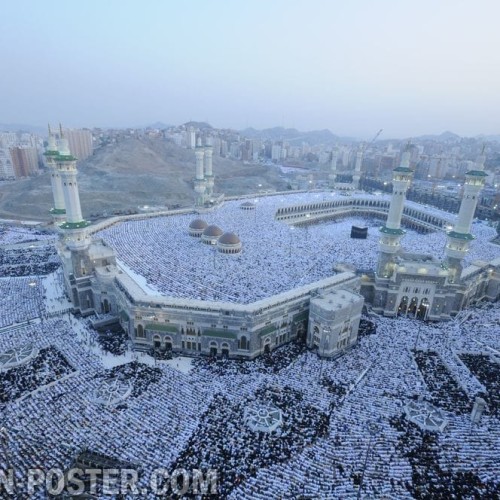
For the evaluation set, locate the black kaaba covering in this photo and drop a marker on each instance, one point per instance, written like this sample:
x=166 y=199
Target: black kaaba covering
x=360 y=233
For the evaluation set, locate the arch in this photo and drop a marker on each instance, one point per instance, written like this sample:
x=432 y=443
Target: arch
x=267 y=345
x=243 y=343
x=168 y=343
x=213 y=349
x=156 y=341
x=140 y=330
x=105 y=306
x=423 y=309
x=412 y=308
x=403 y=305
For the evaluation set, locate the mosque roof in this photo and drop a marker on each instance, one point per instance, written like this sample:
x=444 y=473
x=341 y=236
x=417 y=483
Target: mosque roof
x=198 y=224
x=212 y=230
x=229 y=239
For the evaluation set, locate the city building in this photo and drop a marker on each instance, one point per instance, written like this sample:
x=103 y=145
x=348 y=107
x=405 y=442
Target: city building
x=80 y=142
x=24 y=161
x=6 y=166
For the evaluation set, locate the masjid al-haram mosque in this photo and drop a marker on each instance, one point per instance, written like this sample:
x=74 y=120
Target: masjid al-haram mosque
x=317 y=344
x=238 y=278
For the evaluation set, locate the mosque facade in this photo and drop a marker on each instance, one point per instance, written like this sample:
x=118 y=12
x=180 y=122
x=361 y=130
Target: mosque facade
x=325 y=313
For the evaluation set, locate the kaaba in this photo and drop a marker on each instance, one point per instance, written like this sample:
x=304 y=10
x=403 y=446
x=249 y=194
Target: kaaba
x=360 y=233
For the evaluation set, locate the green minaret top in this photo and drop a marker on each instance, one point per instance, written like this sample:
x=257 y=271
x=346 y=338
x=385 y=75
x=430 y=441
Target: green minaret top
x=51 y=146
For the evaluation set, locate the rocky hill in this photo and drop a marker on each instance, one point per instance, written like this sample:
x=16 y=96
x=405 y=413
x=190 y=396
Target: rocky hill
x=135 y=172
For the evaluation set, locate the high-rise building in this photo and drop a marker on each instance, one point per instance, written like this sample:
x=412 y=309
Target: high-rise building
x=8 y=139
x=276 y=152
x=80 y=142
x=6 y=167
x=24 y=161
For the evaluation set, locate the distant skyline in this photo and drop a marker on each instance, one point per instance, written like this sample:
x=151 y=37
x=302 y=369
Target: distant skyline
x=411 y=68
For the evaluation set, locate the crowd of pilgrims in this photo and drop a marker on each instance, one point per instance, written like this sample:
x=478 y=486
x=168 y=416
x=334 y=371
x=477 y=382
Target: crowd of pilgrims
x=442 y=388
x=14 y=235
x=46 y=367
x=38 y=260
x=344 y=429
x=19 y=300
x=269 y=363
x=113 y=340
x=488 y=372
x=287 y=257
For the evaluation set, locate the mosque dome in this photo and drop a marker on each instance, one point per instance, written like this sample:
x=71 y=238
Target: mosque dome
x=197 y=227
x=229 y=239
x=213 y=230
x=229 y=243
x=211 y=234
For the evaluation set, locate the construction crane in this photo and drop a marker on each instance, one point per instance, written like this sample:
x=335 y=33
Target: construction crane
x=372 y=141
x=365 y=147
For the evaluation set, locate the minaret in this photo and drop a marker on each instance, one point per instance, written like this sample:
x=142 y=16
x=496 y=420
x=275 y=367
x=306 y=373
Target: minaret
x=209 y=177
x=391 y=233
x=357 y=169
x=458 y=240
x=75 y=224
x=58 y=211
x=199 y=181
x=333 y=169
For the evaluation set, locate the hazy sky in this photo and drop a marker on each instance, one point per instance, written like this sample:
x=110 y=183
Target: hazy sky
x=353 y=66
